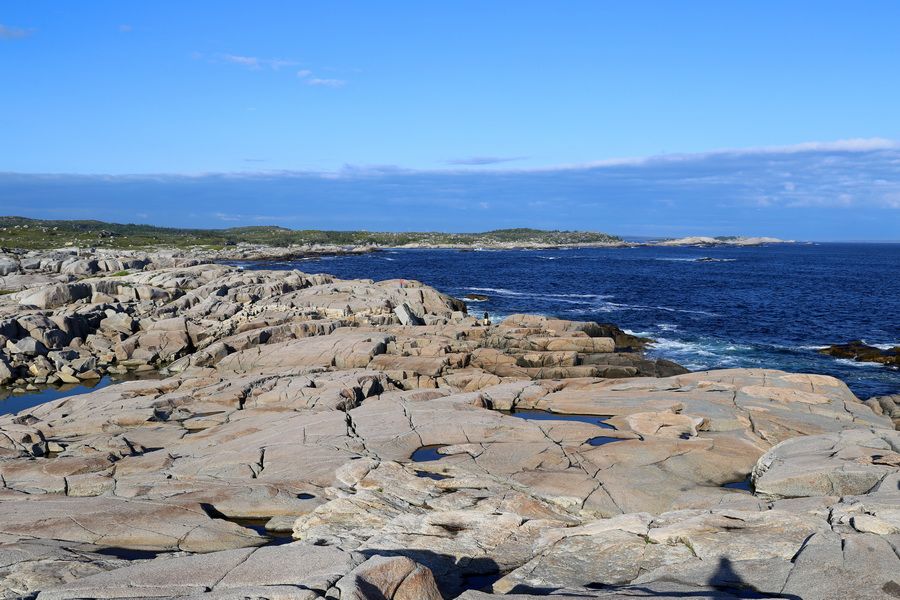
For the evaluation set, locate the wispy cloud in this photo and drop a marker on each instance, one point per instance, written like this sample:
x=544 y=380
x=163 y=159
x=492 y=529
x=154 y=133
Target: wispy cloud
x=483 y=160
x=839 y=146
x=254 y=62
x=13 y=33
x=332 y=83
x=126 y=28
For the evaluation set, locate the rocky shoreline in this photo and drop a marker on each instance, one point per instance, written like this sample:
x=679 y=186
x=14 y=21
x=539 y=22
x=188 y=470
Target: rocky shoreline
x=320 y=438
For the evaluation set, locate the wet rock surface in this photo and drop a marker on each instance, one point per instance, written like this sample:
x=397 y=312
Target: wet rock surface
x=860 y=351
x=311 y=440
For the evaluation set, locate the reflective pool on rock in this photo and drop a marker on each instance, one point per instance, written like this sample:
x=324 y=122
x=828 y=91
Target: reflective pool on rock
x=13 y=403
x=600 y=440
x=743 y=484
x=543 y=415
x=427 y=453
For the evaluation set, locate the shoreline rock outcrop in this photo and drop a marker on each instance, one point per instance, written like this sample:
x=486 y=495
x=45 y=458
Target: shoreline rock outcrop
x=310 y=440
x=861 y=352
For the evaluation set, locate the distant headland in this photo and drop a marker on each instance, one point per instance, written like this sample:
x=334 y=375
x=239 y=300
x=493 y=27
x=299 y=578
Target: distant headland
x=24 y=233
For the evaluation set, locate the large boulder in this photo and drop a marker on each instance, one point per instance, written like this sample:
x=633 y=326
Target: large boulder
x=853 y=461
x=57 y=295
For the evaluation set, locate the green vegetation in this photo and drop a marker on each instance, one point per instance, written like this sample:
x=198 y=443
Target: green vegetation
x=19 y=232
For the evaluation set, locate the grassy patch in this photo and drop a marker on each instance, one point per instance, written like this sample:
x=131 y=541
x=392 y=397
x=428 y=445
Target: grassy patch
x=20 y=232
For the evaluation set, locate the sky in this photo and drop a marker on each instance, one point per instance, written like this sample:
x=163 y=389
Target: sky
x=637 y=118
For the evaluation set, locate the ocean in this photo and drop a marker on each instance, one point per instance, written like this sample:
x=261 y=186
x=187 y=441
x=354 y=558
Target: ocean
x=707 y=308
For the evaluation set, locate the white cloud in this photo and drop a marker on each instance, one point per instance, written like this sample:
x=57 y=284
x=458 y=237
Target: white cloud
x=304 y=73
x=253 y=62
x=838 y=146
x=125 y=28
x=334 y=83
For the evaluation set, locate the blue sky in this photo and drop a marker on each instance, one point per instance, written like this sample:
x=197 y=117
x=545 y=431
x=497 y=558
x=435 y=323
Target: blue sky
x=649 y=118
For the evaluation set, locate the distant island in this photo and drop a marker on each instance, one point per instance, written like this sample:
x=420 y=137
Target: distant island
x=39 y=234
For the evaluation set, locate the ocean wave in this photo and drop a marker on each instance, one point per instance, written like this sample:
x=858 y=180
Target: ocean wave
x=600 y=302
x=860 y=365
x=701 y=259
x=667 y=326
x=638 y=333
x=882 y=346
x=562 y=298
x=670 y=345
x=498 y=291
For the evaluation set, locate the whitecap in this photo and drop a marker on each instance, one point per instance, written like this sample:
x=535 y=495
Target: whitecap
x=881 y=346
x=861 y=365
x=637 y=333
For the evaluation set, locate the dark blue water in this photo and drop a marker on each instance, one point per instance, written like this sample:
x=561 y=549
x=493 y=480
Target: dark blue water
x=769 y=306
x=13 y=403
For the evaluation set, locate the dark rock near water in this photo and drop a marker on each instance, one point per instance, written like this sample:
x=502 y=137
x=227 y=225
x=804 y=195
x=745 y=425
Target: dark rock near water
x=862 y=352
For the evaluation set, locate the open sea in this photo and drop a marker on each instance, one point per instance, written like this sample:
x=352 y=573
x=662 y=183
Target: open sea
x=766 y=306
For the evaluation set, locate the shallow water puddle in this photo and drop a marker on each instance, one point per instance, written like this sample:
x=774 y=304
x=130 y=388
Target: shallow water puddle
x=601 y=440
x=427 y=453
x=543 y=415
x=276 y=538
x=12 y=403
x=743 y=484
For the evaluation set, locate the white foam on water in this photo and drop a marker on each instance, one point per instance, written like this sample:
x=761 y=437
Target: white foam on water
x=561 y=298
x=699 y=259
x=638 y=333
x=670 y=345
x=858 y=364
x=882 y=346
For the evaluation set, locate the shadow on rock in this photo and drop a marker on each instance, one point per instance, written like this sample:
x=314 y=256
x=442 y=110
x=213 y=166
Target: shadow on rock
x=724 y=584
